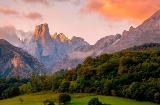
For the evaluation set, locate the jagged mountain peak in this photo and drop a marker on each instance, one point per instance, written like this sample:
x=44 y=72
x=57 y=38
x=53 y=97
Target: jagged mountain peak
x=41 y=30
x=62 y=37
x=54 y=36
x=41 y=34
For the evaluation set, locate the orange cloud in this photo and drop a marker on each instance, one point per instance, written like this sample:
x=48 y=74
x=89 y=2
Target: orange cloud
x=135 y=10
x=34 y=16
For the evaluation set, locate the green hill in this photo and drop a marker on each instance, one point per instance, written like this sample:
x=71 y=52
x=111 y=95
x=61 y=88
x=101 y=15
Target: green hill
x=77 y=99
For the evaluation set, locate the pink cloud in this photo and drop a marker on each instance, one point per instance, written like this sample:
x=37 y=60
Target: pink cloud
x=49 y=2
x=34 y=16
x=45 y=2
x=122 y=9
x=8 y=33
x=8 y=11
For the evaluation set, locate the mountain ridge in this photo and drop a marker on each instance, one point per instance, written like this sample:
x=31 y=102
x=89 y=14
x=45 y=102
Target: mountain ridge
x=15 y=61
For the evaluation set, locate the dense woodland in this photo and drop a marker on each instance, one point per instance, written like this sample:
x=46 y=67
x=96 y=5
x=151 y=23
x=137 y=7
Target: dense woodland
x=132 y=74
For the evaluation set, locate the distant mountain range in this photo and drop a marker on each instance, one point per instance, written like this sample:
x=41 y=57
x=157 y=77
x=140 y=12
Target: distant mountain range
x=58 y=52
x=147 y=32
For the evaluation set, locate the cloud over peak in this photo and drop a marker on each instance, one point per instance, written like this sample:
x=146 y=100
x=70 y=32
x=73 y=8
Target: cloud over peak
x=44 y=2
x=34 y=16
x=8 y=33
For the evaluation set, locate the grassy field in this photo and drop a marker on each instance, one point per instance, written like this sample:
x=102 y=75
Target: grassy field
x=77 y=99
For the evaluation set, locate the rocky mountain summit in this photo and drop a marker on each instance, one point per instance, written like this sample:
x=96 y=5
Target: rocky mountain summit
x=16 y=62
x=51 y=48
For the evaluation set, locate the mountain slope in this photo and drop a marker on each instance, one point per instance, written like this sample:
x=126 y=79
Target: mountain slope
x=151 y=46
x=17 y=62
x=147 y=32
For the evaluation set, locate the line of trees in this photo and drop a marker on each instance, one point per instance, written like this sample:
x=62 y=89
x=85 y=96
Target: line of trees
x=130 y=74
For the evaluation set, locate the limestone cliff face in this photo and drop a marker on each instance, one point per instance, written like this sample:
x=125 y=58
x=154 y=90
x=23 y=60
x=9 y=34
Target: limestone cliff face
x=17 y=62
x=51 y=48
x=43 y=39
x=41 y=45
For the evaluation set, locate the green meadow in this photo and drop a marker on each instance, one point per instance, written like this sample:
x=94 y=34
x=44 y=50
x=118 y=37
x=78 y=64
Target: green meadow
x=77 y=99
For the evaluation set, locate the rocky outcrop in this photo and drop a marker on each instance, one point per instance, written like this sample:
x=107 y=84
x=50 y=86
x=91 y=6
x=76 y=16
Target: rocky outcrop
x=17 y=62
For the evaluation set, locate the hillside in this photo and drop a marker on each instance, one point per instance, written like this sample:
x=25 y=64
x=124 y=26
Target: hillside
x=153 y=46
x=17 y=62
x=130 y=74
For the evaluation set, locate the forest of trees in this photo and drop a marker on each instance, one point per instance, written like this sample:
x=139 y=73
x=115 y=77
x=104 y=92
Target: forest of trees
x=131 y=74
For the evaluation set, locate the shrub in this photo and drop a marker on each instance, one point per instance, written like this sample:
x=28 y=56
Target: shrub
x=94 y=101
x=64 y=98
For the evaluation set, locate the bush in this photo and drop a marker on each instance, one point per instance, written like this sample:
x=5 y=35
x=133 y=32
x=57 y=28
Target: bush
x=64 y=98
x=48 y=102
x=94 y=101
x=157 y=97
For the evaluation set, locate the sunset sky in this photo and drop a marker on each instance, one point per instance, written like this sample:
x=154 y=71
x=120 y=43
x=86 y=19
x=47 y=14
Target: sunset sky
x=89 y=19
